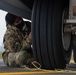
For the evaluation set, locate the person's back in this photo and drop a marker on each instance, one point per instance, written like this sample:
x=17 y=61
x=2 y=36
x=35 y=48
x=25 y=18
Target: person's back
x=16 y=42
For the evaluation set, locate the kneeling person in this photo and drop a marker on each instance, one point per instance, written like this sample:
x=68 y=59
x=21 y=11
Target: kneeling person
x=17 y=41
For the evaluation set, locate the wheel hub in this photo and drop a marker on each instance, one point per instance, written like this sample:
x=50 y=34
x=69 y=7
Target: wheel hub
x=66 y=36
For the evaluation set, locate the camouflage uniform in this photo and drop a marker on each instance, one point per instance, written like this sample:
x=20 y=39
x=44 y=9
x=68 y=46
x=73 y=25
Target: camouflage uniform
x=16 y=45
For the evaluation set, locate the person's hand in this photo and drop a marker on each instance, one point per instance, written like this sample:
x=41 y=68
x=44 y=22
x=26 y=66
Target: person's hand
x=30 y=36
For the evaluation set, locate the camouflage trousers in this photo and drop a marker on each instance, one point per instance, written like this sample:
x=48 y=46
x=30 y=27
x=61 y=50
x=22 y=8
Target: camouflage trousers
x=18 y=58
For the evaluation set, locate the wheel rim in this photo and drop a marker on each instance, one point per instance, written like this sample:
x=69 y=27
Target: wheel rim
x=66 y=37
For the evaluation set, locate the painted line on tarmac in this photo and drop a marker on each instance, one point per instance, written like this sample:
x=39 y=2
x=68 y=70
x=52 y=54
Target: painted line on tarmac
x=35 y=72
x=39 y=72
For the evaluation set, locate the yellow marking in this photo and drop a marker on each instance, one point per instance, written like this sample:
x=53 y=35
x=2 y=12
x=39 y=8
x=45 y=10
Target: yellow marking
x=40 y=72
x=36 y=72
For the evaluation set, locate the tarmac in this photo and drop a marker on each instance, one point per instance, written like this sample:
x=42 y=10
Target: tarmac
x=4 y=70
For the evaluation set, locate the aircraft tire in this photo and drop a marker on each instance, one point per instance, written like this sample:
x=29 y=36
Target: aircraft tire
x=48 y=48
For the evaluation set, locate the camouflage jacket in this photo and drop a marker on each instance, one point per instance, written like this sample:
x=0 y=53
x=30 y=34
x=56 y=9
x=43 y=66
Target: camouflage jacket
x=15 y=40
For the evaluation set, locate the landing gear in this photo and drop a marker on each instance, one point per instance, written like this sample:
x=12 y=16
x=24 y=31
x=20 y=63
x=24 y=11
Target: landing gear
x=52 y=47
